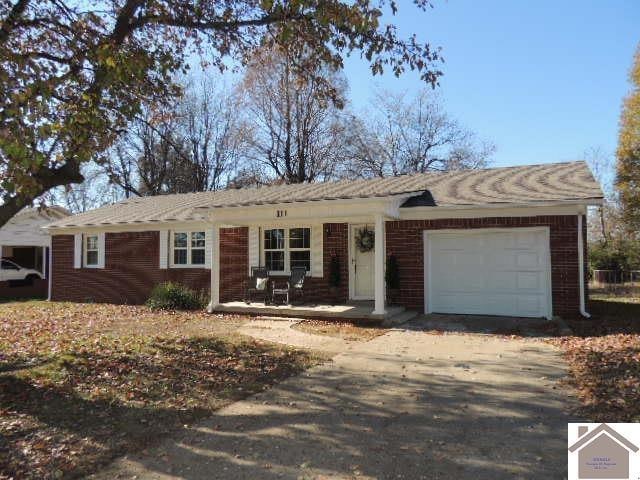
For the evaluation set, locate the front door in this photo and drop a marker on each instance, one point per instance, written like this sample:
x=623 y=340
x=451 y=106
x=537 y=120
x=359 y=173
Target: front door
x=361 y=264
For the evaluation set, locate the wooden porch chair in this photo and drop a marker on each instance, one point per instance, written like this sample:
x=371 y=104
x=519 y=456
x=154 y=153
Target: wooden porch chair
x=258 y=285
x=294 y=286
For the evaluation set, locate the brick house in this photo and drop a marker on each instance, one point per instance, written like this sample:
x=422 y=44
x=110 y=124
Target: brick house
x=500 y=241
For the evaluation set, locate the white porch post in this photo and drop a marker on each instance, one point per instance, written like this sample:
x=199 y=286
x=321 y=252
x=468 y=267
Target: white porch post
x=379 y=266
x=215 y=269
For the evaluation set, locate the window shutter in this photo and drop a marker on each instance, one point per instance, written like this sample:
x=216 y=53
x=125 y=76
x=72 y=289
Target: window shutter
x=101 y=249
x=254 y=247
x=208 y=238
x=77 y=250
x=164 y=248
x=316 y=251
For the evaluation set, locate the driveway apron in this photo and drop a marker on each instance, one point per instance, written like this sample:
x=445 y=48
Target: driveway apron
x=409 y=404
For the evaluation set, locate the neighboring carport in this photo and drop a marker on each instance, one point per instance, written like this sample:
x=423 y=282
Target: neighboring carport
x=24 y=242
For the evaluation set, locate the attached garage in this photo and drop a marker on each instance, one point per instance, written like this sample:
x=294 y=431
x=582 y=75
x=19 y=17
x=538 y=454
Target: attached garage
x=504 y=271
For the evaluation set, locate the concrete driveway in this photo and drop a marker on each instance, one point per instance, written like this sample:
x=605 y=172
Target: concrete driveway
x=407 y=405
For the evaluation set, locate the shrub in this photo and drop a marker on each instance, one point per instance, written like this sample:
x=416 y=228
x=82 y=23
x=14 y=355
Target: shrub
x=618 y=254
x=392 y=273
x=334 y=271
x=174 y=296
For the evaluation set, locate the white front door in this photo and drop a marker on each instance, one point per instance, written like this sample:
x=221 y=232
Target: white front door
x=362 y=267
x=489 y=272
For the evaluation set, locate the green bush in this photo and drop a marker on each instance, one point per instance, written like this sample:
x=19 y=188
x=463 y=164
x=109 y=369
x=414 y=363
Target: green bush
x=615 y=255
x=392 y=273
x=334 y=271
x=174 y=296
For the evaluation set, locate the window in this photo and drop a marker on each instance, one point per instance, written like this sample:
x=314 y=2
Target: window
x=285 y=248
x=7 y=265
x=188 y=248
x=91 y=256
x=274 y=250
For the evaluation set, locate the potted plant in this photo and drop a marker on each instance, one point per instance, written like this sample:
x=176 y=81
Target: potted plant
x=392 y=279
x=334 y=277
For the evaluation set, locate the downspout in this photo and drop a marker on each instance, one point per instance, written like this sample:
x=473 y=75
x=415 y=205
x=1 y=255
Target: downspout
x=50 y=271
x=583 y=310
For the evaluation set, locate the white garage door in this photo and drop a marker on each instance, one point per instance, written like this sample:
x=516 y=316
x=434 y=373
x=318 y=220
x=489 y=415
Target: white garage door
x=488 y=272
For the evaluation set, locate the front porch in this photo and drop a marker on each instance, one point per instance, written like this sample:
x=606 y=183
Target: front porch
x=361 y=310
x=344 y=280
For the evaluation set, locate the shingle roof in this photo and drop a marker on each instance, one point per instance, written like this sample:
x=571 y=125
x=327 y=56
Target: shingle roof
x=569 y=181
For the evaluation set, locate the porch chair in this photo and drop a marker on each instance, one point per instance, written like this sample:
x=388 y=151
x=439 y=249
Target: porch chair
x=294 y=286
x=258 y=285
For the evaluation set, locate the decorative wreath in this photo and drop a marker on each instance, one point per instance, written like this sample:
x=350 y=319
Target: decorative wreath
x=365 y=240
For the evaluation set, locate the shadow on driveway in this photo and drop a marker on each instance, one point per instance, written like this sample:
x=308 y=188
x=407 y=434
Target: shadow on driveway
x=409 y=404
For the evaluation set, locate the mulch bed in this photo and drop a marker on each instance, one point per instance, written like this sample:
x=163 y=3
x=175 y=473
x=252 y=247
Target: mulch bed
x=353 y=331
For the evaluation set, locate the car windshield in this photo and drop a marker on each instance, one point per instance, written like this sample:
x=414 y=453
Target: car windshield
x=7 y=265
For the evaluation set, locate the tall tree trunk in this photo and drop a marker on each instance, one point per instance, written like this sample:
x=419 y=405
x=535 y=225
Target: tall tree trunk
x=603 y=227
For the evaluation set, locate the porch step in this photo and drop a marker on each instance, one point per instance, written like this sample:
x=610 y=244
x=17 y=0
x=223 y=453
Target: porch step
x=399 y=318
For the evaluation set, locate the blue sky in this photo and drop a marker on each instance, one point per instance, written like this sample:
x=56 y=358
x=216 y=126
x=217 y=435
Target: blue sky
x=543 y=80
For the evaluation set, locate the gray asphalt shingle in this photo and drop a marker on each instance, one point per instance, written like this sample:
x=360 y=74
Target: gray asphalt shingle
x=569 y=181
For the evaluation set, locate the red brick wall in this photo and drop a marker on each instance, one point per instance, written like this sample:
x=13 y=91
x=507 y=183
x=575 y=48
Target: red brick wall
x=131 y=270
x=405 y=240
x=234 y=265
x=334 y=242
x=132 y=264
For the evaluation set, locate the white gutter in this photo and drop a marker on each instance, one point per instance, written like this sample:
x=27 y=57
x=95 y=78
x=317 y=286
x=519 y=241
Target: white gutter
x=583 y=310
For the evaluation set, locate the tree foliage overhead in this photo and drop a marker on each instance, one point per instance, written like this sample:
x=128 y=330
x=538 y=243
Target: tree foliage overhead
x=412 y=135
x=74 y=73
x=628 y=154
x=191 y=145
x=295 y=125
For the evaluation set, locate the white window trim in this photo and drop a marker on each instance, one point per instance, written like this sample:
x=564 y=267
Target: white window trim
x=172 y=248
x=287 y=249
x=85 y=250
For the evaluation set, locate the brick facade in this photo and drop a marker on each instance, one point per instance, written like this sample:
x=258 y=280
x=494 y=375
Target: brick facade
x=132 y=269
x=132 y=263
x=404 y=239
x=234 y=265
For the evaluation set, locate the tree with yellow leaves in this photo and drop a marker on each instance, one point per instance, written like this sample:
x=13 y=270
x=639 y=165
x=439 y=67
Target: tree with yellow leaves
x=628 y=153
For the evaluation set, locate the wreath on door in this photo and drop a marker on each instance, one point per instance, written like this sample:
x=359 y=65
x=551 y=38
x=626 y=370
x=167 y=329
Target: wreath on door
x=365 y=240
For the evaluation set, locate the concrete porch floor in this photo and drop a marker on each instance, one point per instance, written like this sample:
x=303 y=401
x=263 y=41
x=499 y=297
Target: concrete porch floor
x=351 y=311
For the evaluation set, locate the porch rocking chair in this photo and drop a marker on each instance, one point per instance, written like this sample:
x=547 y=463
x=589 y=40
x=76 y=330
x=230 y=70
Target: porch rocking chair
x=258 y=285
x=294 y=286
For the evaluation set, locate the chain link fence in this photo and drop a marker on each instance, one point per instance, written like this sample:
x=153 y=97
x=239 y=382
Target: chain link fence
x=615 y=281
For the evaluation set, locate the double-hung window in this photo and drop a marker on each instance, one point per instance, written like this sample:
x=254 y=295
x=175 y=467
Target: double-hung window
x=188 y=249
x=285 y=248
x=91 y=251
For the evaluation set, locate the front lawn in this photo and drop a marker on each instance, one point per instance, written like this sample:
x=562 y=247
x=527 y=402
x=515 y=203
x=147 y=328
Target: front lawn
x=81 y=384
x=604 y=359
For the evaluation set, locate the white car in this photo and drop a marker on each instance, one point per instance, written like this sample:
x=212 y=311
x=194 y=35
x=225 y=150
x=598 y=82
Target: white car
x=12 y=271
